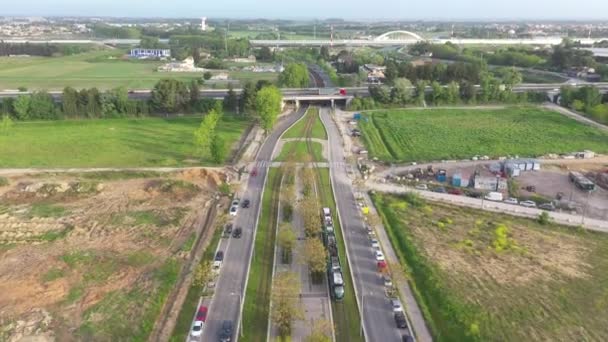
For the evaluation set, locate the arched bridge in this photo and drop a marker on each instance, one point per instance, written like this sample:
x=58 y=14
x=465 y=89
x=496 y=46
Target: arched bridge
x=399 y=33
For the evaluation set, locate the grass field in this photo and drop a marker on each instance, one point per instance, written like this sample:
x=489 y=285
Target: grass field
x=109 y=142
x=298 y=151
x=256 y=308
x=437 y=134
x=299 y=129
x=94 y=69
x=488 y=277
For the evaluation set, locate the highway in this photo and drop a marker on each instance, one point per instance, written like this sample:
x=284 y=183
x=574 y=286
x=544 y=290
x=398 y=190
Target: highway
x=142 y=94
x=376 y=311
x=226 y=303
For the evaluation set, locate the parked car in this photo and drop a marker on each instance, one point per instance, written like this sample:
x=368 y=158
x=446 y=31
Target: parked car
x=422 y=187
x=219 y=256
x=396 y=304
x=547 y=206
x=237 y=233
x=379 y=256
x=388 y=282
x=234 y=210
x=228 y=230
x=528 y=204
x=197 y=329
x=400 y=320
x=511 y=200
x=201 y=314
x=455 y=192
x=407 y=338
x=235 y=202
x=375 y=243
x=226 y=331
x=440 y=190
x=246 y=204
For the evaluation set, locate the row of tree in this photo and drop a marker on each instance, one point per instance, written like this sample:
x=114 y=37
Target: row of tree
x=43 y=50
x=586 y=99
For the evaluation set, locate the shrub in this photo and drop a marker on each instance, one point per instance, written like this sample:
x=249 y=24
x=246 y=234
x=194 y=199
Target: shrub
x=3 y=181
x=544 y=218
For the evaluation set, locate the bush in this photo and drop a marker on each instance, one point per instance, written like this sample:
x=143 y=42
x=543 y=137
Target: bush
x=3 y=181
x=544 y=218
x=287 y=212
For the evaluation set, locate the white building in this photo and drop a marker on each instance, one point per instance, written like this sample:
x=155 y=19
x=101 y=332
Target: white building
x=204 y=24
x=150 y=53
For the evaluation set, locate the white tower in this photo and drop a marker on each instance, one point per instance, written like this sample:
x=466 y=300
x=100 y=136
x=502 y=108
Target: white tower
x=204 y=23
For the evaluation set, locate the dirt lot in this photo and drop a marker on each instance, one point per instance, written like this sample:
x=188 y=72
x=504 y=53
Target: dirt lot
x=93 y=256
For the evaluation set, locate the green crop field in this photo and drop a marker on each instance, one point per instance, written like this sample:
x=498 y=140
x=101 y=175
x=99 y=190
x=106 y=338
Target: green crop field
x=482 y=276
x=437 y=134
x=109 y=142
x=101 y=69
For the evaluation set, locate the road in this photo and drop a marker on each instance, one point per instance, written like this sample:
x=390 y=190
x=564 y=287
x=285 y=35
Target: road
x=376 y=312
x=230 y=288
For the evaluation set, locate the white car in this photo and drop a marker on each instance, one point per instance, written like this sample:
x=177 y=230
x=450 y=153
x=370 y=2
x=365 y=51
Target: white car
x=388 y=282
x=197 y=329
x=528 y=204
x=422 y=187
x=511 y=200
x=233 y=210
x=397 y=307
x=379 y=256
x=375 y=244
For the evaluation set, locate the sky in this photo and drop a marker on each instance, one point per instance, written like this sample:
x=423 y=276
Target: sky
x=311 y=9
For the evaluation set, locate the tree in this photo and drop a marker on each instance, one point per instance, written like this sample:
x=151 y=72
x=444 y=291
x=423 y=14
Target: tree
x=320 y=331
x=231 y=101
x=218 y=149
x=590 y=96
x=207 y=75
x=170 y=95
x=202 y=274
x=70 y=102
x=467 y=91
x=286 y=289
x=510 y=77
x=21 y=107
x=380 y=94
x=309 y=210
x=148 y=42
x=324 y=53
x=567 y=93
x=420 y=93
x=247 y=100
x=295 y=75
x=437 y=93
x=265 y=54
x=120 y=96
x=268 y=104
x=402 y=91
x=315 y=256
x=452 y=93
x=391 y=73
x=544 y=218
x=195 y=93
x=93 y=103
x=286 y=240
x=196 y=55
x=42 y=107
x=204 y=134
x=6 y=124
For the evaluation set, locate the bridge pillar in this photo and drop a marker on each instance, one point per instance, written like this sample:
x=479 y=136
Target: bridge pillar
x=348 y=101
x=333 y=103
x=297 y=104
x=282 y=105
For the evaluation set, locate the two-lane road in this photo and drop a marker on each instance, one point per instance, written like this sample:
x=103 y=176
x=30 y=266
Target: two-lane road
x=377 y=314
x=230 y=287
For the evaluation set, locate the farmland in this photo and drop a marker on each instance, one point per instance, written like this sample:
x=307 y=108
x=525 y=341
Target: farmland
x=94 y=258
x=102 y=69
x=109 y=142
x=438 y=134
x=488 y=277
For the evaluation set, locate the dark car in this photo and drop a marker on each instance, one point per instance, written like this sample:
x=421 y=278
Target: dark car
x=237 y=232
x=219 y=256
x=400 y=320
x=407 y=338
x=226 y=331
x=440 y=190
x=228 y=230
x=246 y=203
x=547 y=206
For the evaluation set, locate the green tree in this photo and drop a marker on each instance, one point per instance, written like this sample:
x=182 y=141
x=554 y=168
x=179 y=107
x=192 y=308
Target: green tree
x=380 y=94
x=195 y=93
x=402 y=91
x=231 y=101
x=437 y=93
x=286 y=289
x=452 y=93
x=21 y=107
x=42 y=107
x=510 y=77
x=295 y=75
x=148 y=42
x=567 y=93
x=320 y=331
x=420 y=93
x=170 y=95
x=6 y=124
x=315 y=256
x=202 y=274
x=268 y=105
x=286 y=239
x=93 y=107
x=207 y=75
x=468 y=93
x=247 y=100
x=70 y=102
x=217 y=149
x=204 y=134
x=120 y=96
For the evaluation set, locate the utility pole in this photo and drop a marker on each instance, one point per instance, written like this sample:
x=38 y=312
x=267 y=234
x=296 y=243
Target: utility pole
x=226 y=39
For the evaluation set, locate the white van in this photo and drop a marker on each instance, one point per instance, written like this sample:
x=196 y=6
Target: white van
x=494 y=196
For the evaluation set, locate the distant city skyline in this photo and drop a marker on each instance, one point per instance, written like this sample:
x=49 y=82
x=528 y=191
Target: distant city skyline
x=310 y=9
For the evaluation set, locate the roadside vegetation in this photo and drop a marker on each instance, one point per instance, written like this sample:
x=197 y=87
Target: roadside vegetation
x=299 y=130
x=299 y=151
x=439 y=134
x=482 y=276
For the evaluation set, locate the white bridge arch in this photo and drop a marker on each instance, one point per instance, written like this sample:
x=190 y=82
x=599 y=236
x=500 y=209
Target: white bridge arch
x=386 y=35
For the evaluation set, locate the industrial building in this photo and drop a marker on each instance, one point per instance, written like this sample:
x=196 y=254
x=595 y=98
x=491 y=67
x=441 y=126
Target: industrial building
x=150 y=53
